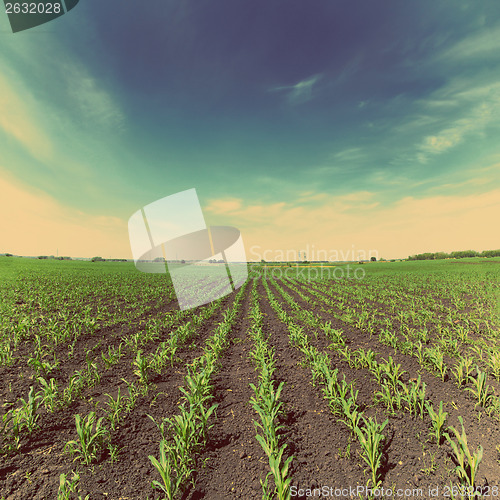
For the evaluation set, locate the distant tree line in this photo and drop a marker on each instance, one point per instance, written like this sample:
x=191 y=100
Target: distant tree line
x=54 y=258
x=460 y=254
x=101 y=259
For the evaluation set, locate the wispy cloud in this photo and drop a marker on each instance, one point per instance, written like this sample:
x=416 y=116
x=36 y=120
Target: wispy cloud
x=94 y=102
x=299 y=92
x=483 y=44
x=473 y=121
x=349 y=154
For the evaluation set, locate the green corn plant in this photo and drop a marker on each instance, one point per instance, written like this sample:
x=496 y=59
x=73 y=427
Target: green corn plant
x=480 y=390
x=347 y=353
x=494 y=364
x=389 y=338
x=436 y=359
x=140 y=365
x=366 y=358
x=386 y=396
x=10 y=431
x=437 y=419
x=279 y=473
x=393 y=372
x=370 y=437
x=185 y=434
x=197 y=385
x=335 y=335
x=114 y=355
x=49 y=397
x=266 y=403
x=378 y=371
x=459 y=372
x=467 y=463
x=335 y=393
x=173 y=474
x=133 y=394
x=320 y=367
x=468 y=369
x=203 y=416
x=27 y=414
x=420 y=354
x=6 y=358
x=351 y=413
x=114 y=408
x=68 y=487
x=74 y=388
x=414 y=396
x=41 y=367
x=90 y=440
x=171 y=346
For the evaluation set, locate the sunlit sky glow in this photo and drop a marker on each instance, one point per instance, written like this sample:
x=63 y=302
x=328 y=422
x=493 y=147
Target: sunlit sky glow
x=330 y=123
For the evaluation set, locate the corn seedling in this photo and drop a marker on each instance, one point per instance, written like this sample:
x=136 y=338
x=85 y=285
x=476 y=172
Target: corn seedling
x=279 y=473
x=133 y=394
x=415 y=397
x=90 y=440
x=370 y=437
x=174 y=476
x=266 y=403
x=467 y=463
x=392 y=372
x=386 y=396
x=68 y=487
x=459 y=372
x=435 y=358
x=140 y=365
x=50 y=393
x=27 y=414
x=437 y=419
x=114 y=408
x=480 y=390
x=351 y=413
x=114 y=355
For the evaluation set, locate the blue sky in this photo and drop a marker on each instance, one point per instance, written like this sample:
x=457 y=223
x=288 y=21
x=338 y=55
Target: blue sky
x=295 y=121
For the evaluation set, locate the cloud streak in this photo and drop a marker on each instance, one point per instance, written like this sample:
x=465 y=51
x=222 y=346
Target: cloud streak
x=300 y=92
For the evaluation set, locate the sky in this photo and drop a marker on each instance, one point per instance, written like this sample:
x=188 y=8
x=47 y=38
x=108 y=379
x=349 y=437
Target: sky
x=334 y=125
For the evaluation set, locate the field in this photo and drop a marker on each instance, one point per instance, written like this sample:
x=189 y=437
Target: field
x=385 y=385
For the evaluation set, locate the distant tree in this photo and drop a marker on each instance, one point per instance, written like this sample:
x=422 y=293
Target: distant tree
x=490 y=253
x=441 y=255
x=97 y=259
x=42 y=257
x=374 y=259
x=461 y=254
